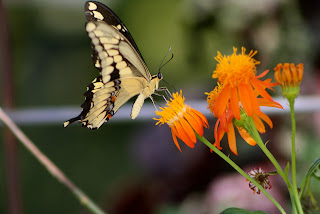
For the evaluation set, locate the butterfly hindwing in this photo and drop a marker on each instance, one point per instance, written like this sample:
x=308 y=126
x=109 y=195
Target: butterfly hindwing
x=123 y=72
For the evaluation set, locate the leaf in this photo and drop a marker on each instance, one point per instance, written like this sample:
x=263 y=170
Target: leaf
x=316 y=173
x=235 y=210
x=311 y=172
x=306 y=196
x=314 y=166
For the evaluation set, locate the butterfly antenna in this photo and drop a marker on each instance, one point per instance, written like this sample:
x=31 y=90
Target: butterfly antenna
x=163 y=64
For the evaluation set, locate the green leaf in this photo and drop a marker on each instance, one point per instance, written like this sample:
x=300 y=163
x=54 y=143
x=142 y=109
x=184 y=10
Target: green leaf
x=311 y=172
x=314 y=166
x=316 y=173
x=235 y=210
x=316 y=177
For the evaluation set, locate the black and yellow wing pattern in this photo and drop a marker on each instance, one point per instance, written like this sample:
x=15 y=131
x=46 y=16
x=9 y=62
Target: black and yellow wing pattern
x=123 y=72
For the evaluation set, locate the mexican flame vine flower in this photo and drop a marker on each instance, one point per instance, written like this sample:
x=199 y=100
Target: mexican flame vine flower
x=239 y=94
x=183 y=120
x=240 y=85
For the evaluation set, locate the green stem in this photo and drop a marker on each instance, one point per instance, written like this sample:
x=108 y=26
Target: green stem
x=257 y=138
x=49 y=165
x=293 y=157
x=238 y=169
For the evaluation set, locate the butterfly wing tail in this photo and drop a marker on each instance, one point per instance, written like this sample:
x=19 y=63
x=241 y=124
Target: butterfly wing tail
x=72 y=120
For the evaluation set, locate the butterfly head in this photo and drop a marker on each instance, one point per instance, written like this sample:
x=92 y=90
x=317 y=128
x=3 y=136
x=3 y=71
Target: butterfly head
x=158 y=76
x=155 y=79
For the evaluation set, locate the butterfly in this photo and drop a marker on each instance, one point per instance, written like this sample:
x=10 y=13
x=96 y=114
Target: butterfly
x=123 y=72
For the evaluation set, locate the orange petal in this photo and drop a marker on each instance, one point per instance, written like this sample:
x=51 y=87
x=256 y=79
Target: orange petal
x=224 y=122
x=287 y=73
x=293 y=72
x=174 y=137
x=259 y=124
x=260 y=89
x=300 y=72
x=197 y=117
x=232 y=139
x=277 y=76
x=244 y=134
x=194 y=124
x=216 y=129
x=245 y=99
x=234 y=103
x=264 y=117
x=218 y=134
x=268 y=84
x=216 y=145
x=219 y=107
x=183 y=135
x=253 y=100
x=264 y=102
x=203 y=118
x=186 y=126
x=263 y=74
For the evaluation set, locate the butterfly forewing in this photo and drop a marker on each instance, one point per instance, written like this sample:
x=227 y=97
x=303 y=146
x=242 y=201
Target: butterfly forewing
x=123 y=73
x=96 y=11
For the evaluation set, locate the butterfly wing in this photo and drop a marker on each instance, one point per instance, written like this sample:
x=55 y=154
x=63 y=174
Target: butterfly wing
x=123 y=73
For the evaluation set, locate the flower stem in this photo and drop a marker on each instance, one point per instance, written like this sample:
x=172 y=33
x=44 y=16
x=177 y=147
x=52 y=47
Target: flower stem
x=238 y=169
x=293 y=157
x=49 y=165
x=257 y=138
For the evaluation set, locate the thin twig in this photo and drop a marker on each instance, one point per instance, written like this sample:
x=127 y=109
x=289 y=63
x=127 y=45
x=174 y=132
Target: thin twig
x=49 y=165
x=11 y=163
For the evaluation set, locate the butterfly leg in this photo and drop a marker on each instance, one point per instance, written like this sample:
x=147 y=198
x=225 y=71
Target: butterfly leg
x=153 y=101
x=166 y=90
x=161 y=95
x=167 y=93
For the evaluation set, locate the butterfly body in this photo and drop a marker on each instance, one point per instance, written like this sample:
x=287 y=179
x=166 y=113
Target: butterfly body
x=123 y=72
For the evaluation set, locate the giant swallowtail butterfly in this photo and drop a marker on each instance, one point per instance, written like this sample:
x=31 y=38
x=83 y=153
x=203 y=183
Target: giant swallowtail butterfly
x=123 y=72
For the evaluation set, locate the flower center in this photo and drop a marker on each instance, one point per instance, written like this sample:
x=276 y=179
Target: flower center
x=235 y=69
x=177 y=116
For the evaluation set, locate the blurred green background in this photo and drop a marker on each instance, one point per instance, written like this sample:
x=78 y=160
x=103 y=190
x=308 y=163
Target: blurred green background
x=134 y=166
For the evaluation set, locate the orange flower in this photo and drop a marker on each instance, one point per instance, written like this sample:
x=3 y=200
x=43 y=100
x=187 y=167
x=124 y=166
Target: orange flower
x=240 y=85
x=289 y=77
x=239 y=94
x=183 y=120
